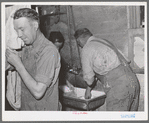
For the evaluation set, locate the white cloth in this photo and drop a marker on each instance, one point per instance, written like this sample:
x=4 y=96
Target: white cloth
x=13 y=92
x=12 y=39
x=139 y=52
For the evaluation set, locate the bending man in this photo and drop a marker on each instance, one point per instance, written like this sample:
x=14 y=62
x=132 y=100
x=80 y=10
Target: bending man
x=101 y=60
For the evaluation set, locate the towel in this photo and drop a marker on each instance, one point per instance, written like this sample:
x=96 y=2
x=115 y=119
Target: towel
x=12 y=41
x=13 y=92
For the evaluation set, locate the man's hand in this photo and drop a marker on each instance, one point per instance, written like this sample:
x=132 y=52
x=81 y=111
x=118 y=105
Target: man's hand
x=88 y=93
x=13 y=58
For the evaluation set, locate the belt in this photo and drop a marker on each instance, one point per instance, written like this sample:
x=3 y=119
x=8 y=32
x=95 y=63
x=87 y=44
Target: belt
x=115 y=73
x=112 y=76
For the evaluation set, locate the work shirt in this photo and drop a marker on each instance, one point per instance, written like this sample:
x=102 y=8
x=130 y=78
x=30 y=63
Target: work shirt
x=42 y=61
x=97 y=58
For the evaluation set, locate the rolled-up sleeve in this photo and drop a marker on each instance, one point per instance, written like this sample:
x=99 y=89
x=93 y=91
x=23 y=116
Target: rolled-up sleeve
x=88 y=73
x=47 y=65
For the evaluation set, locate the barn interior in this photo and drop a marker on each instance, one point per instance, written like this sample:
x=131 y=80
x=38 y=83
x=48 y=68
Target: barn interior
x=122 y=25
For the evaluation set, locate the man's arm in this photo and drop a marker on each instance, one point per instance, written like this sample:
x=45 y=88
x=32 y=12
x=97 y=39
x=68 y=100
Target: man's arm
x=36 y=88
x=89 y=88
x=88 y=73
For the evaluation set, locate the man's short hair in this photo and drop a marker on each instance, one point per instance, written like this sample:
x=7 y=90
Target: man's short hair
x=56 y=36
x=82 y=32
x=28 y=13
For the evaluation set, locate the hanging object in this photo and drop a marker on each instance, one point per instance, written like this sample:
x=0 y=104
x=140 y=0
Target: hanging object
x=69 y=35
x=54 y=12
x=73 y=22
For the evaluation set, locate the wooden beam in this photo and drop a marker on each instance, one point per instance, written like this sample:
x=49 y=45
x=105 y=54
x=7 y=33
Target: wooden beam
x=133 y=17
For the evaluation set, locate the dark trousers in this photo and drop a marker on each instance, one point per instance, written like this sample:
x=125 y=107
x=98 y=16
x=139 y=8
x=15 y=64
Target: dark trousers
x=123 y=91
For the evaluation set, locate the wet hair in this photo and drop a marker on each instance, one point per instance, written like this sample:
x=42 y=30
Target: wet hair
x=56 y=37
x=83 y=32
x=28 y=13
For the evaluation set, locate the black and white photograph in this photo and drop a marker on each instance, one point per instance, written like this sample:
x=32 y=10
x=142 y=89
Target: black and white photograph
x=69 y=61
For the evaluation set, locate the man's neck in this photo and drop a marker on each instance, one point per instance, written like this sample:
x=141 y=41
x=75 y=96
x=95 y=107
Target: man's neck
x=86 y=40
x=35 y=43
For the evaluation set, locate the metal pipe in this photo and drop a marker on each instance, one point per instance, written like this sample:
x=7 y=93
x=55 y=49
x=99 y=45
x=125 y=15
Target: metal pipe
x=68 y=22
x=73 y=21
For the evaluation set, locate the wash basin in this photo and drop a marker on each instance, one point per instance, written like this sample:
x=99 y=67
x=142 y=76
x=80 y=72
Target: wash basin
x=75 y=98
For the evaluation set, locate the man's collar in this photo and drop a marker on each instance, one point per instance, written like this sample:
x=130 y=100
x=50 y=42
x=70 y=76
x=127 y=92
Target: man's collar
x=38 y=42
x=90 y=38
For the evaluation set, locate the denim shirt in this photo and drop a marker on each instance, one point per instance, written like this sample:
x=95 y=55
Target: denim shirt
x=97 y=57
x=42 y=61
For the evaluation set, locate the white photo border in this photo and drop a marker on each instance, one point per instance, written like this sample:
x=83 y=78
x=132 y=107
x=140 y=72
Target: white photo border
x=72 y=115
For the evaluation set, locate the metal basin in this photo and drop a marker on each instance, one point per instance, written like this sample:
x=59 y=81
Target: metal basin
x=76 y=100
